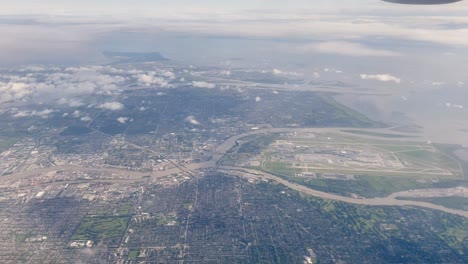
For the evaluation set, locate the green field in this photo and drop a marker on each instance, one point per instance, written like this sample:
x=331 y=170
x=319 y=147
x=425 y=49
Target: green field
x=101 y=228
x=5 y=143
x=282 y=168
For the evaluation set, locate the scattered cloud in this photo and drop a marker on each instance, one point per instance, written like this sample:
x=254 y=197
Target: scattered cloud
x=76 y=114
x=280 y=72
x=70 y=102
x=113 y=106
x=42 y=113
x=381 y=78
x=455 y=106
x=149 y=79
x=86 y=118
x=59 y=85
x=191 y=119
x=13 y=91
x=332 y=70
x=122 y=120
x=202 y=84
x=21 y=114
x=277 y=72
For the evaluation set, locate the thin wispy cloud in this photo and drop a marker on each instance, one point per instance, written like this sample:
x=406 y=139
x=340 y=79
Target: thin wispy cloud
x=347 y=49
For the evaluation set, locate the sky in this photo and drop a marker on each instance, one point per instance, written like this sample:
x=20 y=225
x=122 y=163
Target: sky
x=119 y=5
x=72 y=22
x=112 y=6
x=394 y=38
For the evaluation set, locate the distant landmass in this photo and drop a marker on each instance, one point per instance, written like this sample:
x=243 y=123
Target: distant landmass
x=135 y=56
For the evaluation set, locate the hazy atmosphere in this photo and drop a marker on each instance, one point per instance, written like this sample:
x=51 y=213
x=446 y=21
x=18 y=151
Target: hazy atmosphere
x=249 y=131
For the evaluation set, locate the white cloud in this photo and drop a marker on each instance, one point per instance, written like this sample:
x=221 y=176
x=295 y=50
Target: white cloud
x=332 y=70
x=151 y=79
x=113 y=106
x=277 y=72
x=122 y=120
x=168 y=74
x=86 y=118
x=191 y=119
x=203 y=85
x=70 y=102
x=280 y=72
x=452 y=105
x=12 y=91
x=381 y=78
x=42 y=113
x=60 y=85
x=21 y=114
x=76 y=114
x=347 y=49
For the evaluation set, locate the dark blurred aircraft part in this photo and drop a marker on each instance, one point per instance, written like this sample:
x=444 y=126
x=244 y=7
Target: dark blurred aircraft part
x=422 y=2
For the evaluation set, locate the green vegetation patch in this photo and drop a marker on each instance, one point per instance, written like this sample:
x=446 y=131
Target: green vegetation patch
x=75 y=131
x=455 y=232
x=5 y=143
x=19 y=238
x=257 y=144
x=133 y=254
x=124 y=210
x=188 y=205
x=343 y=112
x=101 y=228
